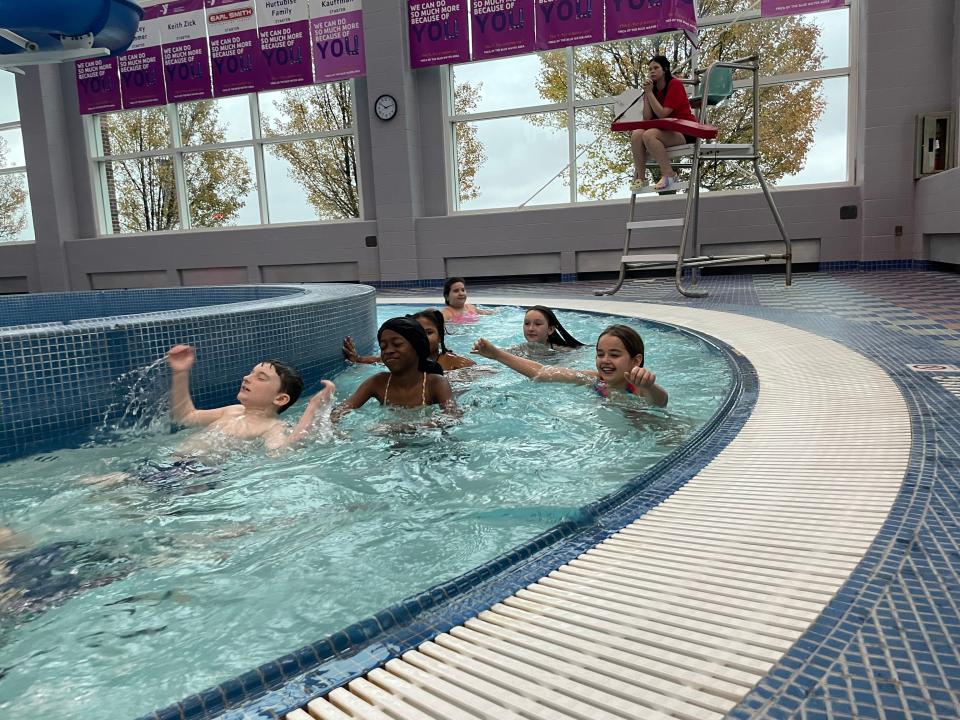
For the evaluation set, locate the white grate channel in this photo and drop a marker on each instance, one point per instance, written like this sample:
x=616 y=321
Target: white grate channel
x=679 y=614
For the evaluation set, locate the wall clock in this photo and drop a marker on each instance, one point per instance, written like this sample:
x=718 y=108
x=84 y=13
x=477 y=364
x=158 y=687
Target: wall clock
x=385 y=107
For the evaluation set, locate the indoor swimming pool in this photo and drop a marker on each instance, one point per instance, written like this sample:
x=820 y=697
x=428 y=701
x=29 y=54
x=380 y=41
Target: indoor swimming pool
x=133 y=596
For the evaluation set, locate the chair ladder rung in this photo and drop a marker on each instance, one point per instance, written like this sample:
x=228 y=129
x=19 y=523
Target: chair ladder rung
x=652 y=258
x=641 y=224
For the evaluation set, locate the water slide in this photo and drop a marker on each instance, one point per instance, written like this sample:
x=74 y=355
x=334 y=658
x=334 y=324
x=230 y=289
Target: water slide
x=48 y=31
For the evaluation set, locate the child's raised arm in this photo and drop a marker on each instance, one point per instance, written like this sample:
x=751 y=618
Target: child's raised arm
x=530 y=368
x=180 y=359
x=306 y=422
x=351 y=355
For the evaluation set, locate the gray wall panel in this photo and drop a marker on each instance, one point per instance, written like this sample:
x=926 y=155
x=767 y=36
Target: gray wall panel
x=19 y=261
x=896 y=91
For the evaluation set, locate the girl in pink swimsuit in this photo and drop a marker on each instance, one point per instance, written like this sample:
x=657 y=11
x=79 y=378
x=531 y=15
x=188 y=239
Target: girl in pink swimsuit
x=619 y=366
x=456 y=308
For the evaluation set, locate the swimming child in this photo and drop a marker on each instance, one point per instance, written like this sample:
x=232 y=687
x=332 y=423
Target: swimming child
x=456 y=308
x=432 y=323
x=619 y=366
x=37 y=579
x=412 y=379
x=265 y=392
x=541 y=327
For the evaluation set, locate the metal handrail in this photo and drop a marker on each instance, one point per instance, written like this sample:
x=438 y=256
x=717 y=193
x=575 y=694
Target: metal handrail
x=751 y=64
x=689 y=237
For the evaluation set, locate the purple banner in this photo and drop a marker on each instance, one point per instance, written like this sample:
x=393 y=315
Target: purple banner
x=502 y=28
x=438 y=32
x=772 y=8
x=238 y=65
x=632 y=18
x=141 y=66
x=98 y=86
x=337 y=36
x=285 y=43
x=678 y=15
x=568 y=22
x=186 y=64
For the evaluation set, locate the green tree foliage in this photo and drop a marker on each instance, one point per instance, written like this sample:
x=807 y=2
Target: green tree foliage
x=13 y=200
x=142 y=191
x=789 y=113
x=325 y=167
x=470 y=152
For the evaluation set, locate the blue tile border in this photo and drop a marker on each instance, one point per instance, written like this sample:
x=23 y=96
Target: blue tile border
x=406 y=284
x=61 y=381
x=873 y=265
x=291 y=681
x=828 y=652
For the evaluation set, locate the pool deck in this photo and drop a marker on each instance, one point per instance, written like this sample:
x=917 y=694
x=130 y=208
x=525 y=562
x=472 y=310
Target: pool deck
x=811 y=569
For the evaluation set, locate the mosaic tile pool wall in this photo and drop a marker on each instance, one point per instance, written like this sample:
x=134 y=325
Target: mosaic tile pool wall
x=62 y=355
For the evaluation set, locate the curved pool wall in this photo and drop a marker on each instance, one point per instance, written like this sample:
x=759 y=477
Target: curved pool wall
x=275 y=688
x=62 y=354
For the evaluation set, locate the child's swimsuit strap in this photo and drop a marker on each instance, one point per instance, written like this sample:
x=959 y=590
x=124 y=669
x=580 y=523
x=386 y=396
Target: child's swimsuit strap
x=423 y=390
x=603 y=391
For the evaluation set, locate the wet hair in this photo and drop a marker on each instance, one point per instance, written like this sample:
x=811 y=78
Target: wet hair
x=449 y=284
x=662 y=61
x=410 y=330
x=559 y=336
x=436 y=317
x=291 y=381
x=629 y=337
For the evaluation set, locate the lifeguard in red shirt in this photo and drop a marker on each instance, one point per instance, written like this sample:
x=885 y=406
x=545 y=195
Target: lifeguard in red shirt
x=663 y=97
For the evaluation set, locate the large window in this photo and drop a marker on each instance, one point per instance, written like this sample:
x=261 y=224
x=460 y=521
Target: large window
x=273 y=157
x=16 y=219
x=535 y=129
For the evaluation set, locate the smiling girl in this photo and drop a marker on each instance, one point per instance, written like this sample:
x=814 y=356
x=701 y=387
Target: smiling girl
x=412 y=379
x=619 y=366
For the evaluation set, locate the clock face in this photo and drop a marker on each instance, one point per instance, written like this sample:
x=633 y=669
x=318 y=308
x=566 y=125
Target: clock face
x=385 y=107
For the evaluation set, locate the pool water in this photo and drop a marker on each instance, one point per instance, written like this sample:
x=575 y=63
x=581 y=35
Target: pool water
x=136 y=596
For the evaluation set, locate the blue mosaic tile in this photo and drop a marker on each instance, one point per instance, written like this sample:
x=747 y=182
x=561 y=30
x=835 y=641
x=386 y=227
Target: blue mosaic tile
x=60 y=381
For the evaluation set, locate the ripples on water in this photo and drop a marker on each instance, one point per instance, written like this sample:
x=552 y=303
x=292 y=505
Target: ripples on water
x=174 y=593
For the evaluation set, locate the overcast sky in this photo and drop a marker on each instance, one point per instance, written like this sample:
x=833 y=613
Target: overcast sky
x=520 y=156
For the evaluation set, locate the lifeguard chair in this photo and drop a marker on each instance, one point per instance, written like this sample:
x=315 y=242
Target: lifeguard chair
x=717 y=79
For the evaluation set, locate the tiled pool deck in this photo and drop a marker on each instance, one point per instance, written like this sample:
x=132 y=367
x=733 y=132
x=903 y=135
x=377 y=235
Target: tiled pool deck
x=886 y=647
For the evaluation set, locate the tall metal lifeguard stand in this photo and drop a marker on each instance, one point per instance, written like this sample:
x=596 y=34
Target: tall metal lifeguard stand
x=717 y=79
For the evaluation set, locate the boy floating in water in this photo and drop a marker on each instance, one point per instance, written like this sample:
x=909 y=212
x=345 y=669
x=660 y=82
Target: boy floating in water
x=266 y=391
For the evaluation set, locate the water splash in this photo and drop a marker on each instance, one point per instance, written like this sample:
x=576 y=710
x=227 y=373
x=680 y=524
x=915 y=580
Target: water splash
x=142 y=405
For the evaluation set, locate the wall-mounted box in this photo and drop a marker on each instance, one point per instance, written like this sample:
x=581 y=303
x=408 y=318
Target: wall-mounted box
x=935 y=149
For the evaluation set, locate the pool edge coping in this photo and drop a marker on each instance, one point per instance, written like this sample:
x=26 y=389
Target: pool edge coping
x=365 y=644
